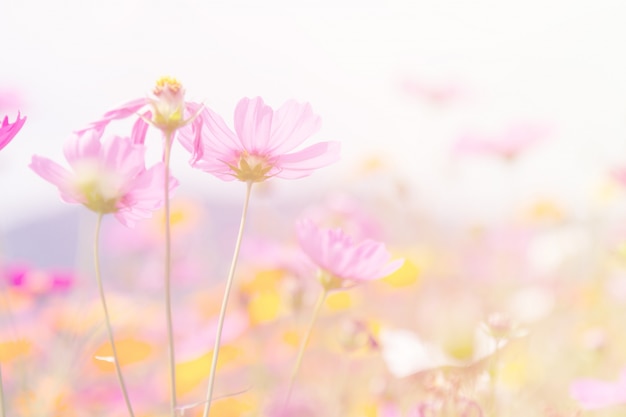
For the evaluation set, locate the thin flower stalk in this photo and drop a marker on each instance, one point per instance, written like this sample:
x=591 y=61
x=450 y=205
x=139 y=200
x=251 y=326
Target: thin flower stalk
x=229 y=284
x=168 y=273
x=116 y=362
x=305 y=341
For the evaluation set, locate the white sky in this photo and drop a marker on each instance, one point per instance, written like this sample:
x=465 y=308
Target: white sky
x=563 y=62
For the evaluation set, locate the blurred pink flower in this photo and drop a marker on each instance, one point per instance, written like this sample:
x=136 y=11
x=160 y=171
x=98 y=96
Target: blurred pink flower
x=107 y=177
x=341 y=210
x=593 y=393
x=508 y=144
x=434 y=92
x=11 y=99
x=341 y=258
x=259 y=148
x=9 y=130
x=35 y=281
x=619 y=175
x=166 y=109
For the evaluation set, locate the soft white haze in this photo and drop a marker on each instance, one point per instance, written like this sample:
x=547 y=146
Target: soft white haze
x=560 y=62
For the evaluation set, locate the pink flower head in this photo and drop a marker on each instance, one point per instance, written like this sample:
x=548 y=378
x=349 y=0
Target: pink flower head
x=508 y=144
x=166 y=109
x=340 y=258
x=593 y=393
x=9 y=130
x=261 y=145
x=35 y=281
x=108 y=177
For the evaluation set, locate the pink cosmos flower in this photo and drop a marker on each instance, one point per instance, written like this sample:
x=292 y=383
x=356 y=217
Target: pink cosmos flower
x=107 y=177
x=508 y=144
x=166 y=109
x=261 y=145
x=36 y=281
x=593 y=393
x=9 y=130
x=342 y=259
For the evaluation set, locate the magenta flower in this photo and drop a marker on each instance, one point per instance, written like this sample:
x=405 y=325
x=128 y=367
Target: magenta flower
x=166 y=109
x=36 y=281
x=261 y=145
x=341 y=259
x=9 y=130
x=592 y=393
x=107 y=177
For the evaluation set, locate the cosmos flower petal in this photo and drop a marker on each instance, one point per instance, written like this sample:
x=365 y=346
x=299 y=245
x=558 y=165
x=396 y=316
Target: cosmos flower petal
x=334 y=252
x=292 y=124
x=9 y=130
x=125 y=110
x=594 y=393
x=140 y=129
x=84 y=146
x=302 y=163
x=57 y=175
x=253 y=124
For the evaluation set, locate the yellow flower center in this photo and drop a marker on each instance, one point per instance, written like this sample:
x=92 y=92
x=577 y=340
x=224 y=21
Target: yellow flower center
x=251 y=168
x=167 y=83
x=101 y=191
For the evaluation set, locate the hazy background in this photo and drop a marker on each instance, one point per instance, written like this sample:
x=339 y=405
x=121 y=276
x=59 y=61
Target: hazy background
x=556 y=62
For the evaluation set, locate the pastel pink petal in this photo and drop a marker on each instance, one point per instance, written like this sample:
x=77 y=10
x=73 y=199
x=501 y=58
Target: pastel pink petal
x=140 y=129
x=121 y=156
x=208 y=135
x=292 y=124
x=215 y=167
x=594 y=394
x=9 y=130
x=390 y=268
x=80 y=147
x=253 y=124
x=145 y=194
x=56 y=175
x=190 y=134
x=217 y=133
x=302 y=163
x=121 y=112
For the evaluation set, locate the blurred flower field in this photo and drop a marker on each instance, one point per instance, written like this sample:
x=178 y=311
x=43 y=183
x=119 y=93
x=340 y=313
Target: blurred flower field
x=356 y=302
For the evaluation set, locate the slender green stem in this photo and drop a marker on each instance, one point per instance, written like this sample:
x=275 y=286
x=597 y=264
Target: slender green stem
x=168 y=274
x=229 y=284
x=116 y=361
x=305 y=341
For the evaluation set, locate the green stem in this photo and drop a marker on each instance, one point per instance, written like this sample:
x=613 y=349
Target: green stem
x=116 y=361
x=305 y=341
x=168 y=274
x=229 y=284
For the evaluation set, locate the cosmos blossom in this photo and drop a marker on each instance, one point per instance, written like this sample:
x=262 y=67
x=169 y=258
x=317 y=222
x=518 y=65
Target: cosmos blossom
x=166 y=109
x=593 y=393
x=336 y=254
x=262 y=145
x=507 y=144
x=106 y=177
x=9 y=130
